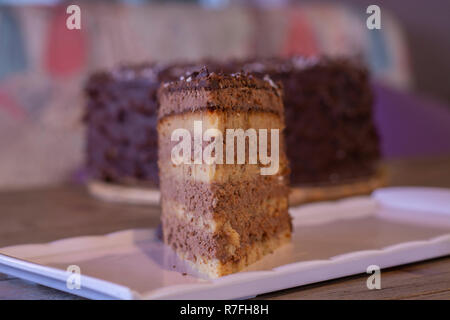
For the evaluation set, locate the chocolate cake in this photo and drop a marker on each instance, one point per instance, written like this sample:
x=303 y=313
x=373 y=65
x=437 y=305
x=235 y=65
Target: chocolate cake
x=121 y=117
x=330 y=134
x=217 y=215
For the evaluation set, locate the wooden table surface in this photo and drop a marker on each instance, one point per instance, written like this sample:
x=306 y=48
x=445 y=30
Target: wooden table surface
x=51 y=213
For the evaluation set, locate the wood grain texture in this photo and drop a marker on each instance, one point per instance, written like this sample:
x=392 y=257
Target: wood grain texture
x=425 y=280
x=51 y=213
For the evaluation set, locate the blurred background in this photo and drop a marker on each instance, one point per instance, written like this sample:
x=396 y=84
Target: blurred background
x=43 y=65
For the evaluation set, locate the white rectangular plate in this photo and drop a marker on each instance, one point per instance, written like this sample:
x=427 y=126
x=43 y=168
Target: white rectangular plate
x=394 y=226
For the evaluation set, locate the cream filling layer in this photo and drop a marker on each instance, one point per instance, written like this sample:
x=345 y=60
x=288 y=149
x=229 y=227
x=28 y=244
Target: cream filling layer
x=220 y=121
x=269 y=208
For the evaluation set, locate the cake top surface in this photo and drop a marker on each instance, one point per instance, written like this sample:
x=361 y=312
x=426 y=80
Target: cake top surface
x=295 y=63
x=125 y=73
x=144 y=73
x=167 y=72
x=205 y=90
x=279 y=64
x=204 y=79
x=152 y=72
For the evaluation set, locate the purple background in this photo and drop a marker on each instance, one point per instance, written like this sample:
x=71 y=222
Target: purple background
x=410 y=125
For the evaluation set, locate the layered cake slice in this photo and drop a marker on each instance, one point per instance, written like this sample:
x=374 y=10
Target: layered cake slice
x=223 y=170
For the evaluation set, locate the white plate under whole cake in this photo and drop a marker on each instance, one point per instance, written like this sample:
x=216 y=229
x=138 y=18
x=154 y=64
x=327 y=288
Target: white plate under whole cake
x=394 y=226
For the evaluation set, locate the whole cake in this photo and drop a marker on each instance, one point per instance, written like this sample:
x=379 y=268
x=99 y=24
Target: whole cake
x=332 y=143
x=222 y=212
x=330 y=133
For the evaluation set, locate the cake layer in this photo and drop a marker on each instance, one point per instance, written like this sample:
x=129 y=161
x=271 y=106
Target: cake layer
x=215 y=268
x=221 y=120
x=204 y=90
x=228 y=241
x=212 y=220
x=236 y=99
x=224 y=201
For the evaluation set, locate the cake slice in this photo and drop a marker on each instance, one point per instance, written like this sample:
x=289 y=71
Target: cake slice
x=219 y=211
